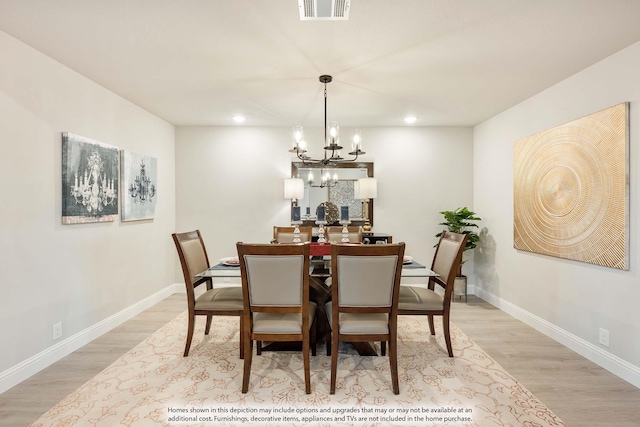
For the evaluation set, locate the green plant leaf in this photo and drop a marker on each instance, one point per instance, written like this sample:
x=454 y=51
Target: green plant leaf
x=458 y=221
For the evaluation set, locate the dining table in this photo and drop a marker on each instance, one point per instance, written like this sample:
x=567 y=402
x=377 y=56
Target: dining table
x=229 y=267
x=319 y=283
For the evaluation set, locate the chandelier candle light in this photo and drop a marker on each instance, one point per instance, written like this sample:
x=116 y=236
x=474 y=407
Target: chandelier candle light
x=326 y=180
x=332 y=139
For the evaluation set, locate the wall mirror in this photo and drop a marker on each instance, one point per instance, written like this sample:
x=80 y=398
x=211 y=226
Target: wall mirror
x=334 y=184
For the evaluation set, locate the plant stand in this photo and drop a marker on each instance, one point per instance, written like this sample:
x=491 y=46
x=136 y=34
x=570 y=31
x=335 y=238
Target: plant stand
x=460 y=287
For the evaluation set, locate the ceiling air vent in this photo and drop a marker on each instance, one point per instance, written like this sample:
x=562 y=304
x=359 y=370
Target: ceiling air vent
x=316 y=10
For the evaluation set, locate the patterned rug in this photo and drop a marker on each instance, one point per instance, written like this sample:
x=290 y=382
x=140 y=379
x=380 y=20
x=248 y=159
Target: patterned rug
x=153 y=385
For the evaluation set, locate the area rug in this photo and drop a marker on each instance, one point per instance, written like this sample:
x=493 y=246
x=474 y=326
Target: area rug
x=153 y=385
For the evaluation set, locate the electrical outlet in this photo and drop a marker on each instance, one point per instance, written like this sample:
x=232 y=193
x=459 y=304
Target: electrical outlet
x=225 y=279
x=604 y=337
x=57 y=330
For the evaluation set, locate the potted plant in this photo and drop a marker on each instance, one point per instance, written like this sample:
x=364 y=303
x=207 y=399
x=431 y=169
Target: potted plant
x=459 y=221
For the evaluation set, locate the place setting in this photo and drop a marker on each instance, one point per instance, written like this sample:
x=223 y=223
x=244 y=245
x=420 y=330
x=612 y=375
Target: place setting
x=227 y=263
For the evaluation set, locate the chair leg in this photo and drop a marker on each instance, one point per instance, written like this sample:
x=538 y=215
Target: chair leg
x=305 y=358
x=334 y=361
x=258 y=348
x=447 y=333
x=327 y=337
x=431 y=326
x=314 y=334
x=393 y=363
x=383 y=348
x=248 y=350
x=208 y=327
x=190 y=328
x=241 y=337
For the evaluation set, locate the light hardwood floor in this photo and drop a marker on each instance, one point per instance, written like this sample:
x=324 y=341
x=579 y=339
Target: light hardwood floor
x=578 y=391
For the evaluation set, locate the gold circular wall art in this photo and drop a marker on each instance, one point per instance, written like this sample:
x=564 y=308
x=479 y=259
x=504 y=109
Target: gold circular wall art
x=570 y=190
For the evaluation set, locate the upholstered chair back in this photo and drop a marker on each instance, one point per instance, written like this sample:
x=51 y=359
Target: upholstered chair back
x=334 y=234
x=286 y=237
x=271 y=279
x=195 y=257
x=445 y=257
x=286 y=234
x=366 y=280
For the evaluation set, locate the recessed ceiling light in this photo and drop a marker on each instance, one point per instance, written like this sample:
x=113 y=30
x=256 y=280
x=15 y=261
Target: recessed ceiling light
x=238 y=118
x=410 y=119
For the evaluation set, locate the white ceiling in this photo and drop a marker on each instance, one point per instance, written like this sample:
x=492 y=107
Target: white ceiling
x=450 y=62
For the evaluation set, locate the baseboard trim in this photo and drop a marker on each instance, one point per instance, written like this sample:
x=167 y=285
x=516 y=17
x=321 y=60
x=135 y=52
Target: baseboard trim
x=25 y=369
x=597 y=355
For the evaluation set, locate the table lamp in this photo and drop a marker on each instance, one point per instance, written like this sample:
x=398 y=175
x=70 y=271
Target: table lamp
x=294 y=190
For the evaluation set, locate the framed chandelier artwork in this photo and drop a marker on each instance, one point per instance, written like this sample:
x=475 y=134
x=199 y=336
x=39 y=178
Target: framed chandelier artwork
x=89 y=180
x=139 y=186
x=571 y=190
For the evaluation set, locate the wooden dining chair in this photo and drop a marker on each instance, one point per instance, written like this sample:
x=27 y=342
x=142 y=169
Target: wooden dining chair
x=415 y=300
x=285 y=234
x=334 y=234
x=275 y=290
x=364 y=306
x=223 y=301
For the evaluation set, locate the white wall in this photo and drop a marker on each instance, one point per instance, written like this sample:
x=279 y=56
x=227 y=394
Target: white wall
x=576 y=299
x=76 y=274
x=229 y=182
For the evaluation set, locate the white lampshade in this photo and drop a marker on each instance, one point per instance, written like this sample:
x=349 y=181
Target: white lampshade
x=293 y=188
x=368 y=188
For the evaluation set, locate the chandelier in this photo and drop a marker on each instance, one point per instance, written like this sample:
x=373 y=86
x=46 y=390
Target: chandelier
x=142 y=190
x=326 y=179
x=331 y=137
x=94 y=190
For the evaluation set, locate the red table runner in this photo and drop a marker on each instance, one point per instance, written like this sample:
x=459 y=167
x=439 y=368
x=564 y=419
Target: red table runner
x=319 y=249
